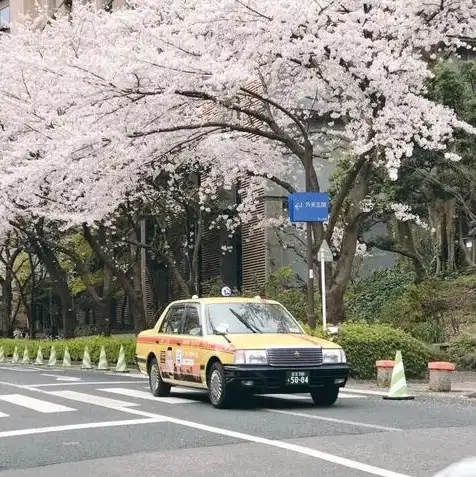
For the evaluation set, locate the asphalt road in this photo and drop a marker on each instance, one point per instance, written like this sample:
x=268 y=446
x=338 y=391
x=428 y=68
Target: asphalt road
x=58 y=422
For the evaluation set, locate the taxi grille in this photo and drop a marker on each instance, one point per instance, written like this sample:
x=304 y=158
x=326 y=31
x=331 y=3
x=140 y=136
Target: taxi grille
x=295 y=357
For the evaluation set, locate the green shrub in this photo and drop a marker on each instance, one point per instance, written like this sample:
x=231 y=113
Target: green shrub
x=75 y=346
x=366 y=297
x=364 y=344
x=462 y=351
x=420 y=311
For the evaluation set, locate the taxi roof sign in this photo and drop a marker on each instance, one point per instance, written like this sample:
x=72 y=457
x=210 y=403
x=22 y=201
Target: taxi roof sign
x=226 y=291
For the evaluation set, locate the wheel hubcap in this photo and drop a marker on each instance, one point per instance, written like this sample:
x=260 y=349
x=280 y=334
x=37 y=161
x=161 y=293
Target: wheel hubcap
x=215 y=386
x=154 y=378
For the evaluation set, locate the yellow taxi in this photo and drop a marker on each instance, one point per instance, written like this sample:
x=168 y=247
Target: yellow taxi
x=234 y=346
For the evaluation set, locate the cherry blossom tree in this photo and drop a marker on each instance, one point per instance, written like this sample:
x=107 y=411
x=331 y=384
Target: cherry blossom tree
x=97 y=103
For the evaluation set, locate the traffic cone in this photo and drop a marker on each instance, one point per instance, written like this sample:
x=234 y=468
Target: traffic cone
x=39 y=357
x=121 y=366
x=103 y=360
x=26 y=356
x=16 y=357
x=66 y=358
x=52 y=360
x=86 y=359
x=398 y=384
x=2 y=355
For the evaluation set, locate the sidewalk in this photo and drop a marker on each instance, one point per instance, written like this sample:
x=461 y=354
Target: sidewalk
x=463 y=385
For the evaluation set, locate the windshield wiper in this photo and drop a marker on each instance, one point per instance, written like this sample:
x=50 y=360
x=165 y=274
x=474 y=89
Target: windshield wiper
x=216 y=332
x=251 y=327
x=221 y=333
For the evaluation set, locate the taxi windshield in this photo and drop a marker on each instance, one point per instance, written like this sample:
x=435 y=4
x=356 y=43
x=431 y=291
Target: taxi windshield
x=249 y=317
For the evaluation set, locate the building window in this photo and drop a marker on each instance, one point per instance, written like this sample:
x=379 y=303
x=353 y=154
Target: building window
x=5 y=17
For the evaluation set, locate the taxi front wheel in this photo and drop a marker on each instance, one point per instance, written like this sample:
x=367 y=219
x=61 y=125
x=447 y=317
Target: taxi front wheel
x=326 y=396
x=217 y=388
x=157 y=386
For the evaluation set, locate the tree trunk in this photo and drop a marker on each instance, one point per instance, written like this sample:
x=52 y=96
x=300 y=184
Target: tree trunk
x=343 y=269
x=7 y=304
x=405 y=237
x=49 y=260
x=335 y=303
x=135 y=299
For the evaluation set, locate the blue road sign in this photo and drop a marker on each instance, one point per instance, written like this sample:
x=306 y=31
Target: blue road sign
x=308 y=207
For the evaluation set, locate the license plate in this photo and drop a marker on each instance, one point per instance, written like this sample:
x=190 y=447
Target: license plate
x=297 y=377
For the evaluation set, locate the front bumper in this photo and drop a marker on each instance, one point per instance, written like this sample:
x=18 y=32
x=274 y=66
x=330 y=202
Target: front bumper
x=266 y=379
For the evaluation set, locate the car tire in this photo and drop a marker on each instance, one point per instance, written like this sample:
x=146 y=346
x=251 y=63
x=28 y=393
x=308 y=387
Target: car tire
x=158 y=387
x=326 y=396
x=218 y=391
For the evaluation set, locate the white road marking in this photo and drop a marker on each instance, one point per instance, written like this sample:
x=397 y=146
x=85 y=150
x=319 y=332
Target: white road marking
x=35 y=404
x=352 y=464
x=2 y=414
x=153 y=418
x=351 y=396
x=14 y=368
x=290 y=397
x=370 y=392
x=91 y=399
x=132 y=375
x=338 y=421
x=62 y=378
x=143 y=395
x=82 y=383
x=293 y=397
x=344 y=462
x=89 y=425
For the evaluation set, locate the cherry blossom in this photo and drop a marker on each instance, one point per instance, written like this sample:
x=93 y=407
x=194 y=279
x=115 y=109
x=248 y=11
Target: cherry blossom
x=94 y=104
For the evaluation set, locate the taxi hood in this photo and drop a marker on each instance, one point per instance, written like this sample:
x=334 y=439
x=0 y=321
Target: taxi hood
x=280 y=340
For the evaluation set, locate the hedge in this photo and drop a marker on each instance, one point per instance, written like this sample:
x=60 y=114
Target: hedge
x=75 y=346
x=363 y=343
x=462 y=352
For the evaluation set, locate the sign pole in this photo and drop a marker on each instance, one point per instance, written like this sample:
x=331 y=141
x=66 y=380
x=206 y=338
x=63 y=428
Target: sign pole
x=310 y=207
x=323 y=293
x=311 y=315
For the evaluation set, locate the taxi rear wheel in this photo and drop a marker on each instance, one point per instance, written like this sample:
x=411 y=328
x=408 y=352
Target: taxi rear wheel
x=326 y=396
x=217 y=388
x=158 y=387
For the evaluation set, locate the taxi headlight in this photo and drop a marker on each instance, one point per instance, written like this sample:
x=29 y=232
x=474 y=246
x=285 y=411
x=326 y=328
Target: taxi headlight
x=251 y=356
x=331 y=356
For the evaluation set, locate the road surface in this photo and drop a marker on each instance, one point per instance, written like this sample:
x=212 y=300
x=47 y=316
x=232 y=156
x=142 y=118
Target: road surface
x=57 y=422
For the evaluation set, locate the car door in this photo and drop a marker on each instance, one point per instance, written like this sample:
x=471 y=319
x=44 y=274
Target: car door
x=169 y=341
x=188 y=356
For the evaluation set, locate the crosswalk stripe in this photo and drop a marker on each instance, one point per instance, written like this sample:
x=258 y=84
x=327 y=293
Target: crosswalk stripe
x=143 y=395
x=92 y=399
x=35 y=404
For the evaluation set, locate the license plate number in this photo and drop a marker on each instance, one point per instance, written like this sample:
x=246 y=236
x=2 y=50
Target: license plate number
x=297 y=377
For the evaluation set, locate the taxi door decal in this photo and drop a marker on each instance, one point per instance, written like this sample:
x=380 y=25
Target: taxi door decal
x=188 y=366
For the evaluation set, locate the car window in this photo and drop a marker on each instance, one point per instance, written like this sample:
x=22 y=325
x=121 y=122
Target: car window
x=192 y=325
x=172 y=323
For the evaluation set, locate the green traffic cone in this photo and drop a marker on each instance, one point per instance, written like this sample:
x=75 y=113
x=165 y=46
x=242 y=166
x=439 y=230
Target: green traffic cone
x=398 y=385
